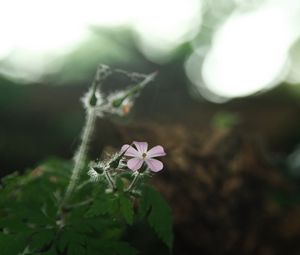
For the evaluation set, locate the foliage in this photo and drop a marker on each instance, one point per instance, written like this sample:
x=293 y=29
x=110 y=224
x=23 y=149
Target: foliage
x=94 y=222
x=158 y=214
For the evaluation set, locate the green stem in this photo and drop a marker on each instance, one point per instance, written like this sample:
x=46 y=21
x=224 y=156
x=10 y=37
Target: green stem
x=133 y=181
x=109 y=180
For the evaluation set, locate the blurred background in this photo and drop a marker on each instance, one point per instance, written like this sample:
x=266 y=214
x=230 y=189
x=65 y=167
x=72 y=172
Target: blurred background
x=226 y=104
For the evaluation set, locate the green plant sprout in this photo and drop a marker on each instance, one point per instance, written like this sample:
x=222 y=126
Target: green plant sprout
x=65 y=208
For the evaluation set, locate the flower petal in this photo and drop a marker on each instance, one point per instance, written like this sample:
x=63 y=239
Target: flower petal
x=134 y=164
x=156 y=151
x=154 y=164
x=130 y=151
x=142 y=147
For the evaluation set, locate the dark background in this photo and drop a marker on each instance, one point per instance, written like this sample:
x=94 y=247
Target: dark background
x=232 y=172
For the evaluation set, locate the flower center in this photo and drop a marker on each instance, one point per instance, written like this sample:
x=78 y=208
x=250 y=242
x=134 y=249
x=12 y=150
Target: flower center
x=144 y=155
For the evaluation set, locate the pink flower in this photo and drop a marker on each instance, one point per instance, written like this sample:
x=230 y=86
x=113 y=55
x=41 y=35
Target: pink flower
x=141 y=154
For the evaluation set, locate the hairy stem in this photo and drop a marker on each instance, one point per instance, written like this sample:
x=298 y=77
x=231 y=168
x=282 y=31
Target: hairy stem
x=80 y=156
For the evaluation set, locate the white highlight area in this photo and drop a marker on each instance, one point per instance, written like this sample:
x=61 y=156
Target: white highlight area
x=36 y=34
x=249 y=52
x=39 y=25
x=163 y=25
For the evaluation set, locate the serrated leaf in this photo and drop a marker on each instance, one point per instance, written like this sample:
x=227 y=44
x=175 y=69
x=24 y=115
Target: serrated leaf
x=126 y=208
x=159 y=217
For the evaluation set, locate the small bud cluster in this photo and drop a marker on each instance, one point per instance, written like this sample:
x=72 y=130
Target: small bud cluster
x=117 y=102
x=107 y=169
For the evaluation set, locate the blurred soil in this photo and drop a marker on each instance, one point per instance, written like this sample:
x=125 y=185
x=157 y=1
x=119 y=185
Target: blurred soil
x=226 y=195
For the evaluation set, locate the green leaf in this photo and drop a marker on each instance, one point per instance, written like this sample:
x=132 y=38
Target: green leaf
x=11 y=179
x=76 y=249
x=35 y=215
x=12 y=244
x=109 y=247
x=69 y=239
x=41 y=239
x=13 y=224
x=122 y=248
x=51 y=251
x=159 y=217
x=126 y=208
x=119 y=184
x=58 y=167
x=111 y=233
x=105 y=204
